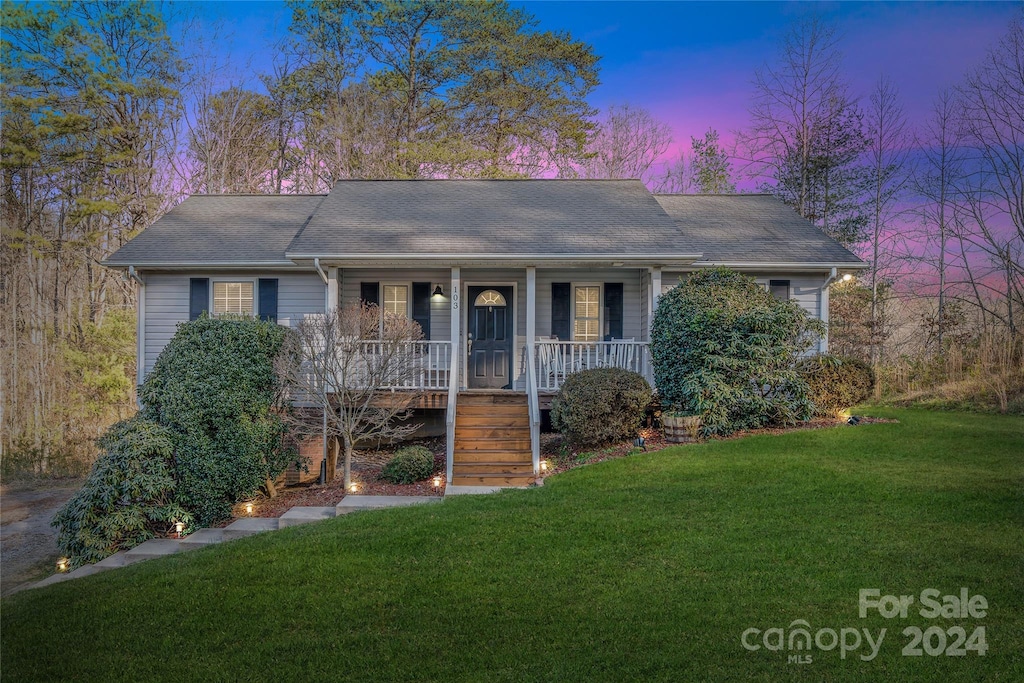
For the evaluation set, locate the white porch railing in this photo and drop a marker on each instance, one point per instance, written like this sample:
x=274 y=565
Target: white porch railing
x=411 y=365
x=556 y=360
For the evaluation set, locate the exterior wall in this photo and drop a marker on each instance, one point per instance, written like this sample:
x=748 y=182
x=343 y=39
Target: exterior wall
x=167 y=302
x=804 y=288
x=440 y=307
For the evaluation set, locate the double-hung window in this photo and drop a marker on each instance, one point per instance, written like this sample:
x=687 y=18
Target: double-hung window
x=233 y=297
x=586 y=313
x=396 y=300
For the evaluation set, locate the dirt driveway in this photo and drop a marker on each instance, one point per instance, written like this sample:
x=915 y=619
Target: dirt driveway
x=28 y=544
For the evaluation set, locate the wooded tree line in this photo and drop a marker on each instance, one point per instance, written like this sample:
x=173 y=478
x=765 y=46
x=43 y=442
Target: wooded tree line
x=108 y=121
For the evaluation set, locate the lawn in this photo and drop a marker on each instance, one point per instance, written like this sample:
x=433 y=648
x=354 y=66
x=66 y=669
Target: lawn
x=644 y=568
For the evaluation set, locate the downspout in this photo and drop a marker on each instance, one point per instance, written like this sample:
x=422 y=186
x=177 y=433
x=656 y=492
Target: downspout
x=323 y=275
x=823 y=344
x=140 y=332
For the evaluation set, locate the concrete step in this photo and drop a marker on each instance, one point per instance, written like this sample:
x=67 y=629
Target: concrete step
x=151 y=549
x=303 y=515
x=357 y=502
x=248 y=526
x=202 y=538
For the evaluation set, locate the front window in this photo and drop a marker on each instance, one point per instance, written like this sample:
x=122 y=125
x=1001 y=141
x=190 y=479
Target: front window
x=396 y=299
x=232 y=297
x=587 y=321
x=779 y=289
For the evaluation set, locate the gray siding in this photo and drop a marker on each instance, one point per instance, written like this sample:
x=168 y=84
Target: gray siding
x=440 y=307
x=167 y=302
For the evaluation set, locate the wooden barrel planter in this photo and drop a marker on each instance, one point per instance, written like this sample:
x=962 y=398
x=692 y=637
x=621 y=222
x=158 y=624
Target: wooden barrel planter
x=681 y=428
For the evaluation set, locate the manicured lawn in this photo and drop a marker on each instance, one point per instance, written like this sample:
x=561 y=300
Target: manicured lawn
x=645 y=568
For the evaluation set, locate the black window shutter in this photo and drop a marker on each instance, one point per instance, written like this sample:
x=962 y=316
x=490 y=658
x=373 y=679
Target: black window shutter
x=268 y=299
x=198 y=296
x=613 y=310
x=560 y=310
x=369 y=293
x=421 y=306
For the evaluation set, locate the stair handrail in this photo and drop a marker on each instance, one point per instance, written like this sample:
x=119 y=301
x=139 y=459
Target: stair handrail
x=453 y=395
x=534 y=405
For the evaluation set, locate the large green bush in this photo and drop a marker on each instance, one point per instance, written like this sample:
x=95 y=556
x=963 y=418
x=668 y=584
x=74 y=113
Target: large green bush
x=725 y=349
x=128 y=497
x=409 y=465
x=602 y=405
x=214 y=388
x=836 y=383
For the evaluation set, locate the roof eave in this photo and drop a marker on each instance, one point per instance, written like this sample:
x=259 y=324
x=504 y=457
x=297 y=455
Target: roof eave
x=549 y=260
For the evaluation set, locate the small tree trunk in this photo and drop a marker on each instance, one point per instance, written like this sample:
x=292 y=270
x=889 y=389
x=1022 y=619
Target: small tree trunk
x=332 y=457
x=348 y=463
x=269 y=486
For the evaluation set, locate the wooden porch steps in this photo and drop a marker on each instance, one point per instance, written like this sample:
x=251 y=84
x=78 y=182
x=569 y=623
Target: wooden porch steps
x=492 y=440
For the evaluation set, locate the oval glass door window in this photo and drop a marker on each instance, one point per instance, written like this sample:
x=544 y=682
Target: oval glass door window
x=489 y=297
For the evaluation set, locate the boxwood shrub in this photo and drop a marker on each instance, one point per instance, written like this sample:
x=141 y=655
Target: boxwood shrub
x=409 y=465
x=836 y=383
x=599 y=406
x=724 y=348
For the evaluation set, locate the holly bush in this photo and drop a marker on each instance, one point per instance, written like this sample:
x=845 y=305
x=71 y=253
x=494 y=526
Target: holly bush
x=215 y=389
x=724 y=348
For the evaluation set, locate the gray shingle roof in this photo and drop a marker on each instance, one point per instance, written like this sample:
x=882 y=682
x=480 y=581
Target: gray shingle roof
x=221 y=229
x=488 y=217
x=750 y=228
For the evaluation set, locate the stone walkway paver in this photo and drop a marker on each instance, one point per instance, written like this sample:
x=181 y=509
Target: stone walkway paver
x=247 y=526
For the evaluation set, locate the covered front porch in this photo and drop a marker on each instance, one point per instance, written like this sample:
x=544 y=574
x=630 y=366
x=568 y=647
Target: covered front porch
x=521 y=330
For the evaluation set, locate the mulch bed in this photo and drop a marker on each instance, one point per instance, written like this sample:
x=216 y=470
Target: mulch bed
x=367 y=465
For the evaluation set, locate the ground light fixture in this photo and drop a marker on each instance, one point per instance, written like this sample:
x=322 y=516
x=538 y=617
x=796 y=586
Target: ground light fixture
x=178 y=528
x=437 y=484
x=353 y=487
x=62 y=564
x=543 y=466
x=248 y=508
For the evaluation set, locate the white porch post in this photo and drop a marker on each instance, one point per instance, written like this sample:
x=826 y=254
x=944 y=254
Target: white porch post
x=653 y=294
x=455 y=372
x=531 y=339
x=331 y=302
x=531 y=304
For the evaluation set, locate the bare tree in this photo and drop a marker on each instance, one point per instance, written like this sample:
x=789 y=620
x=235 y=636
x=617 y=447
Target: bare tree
x=935 y=182
x=992 y=98
x=341 y=370
x=805 y=138
x=627 y=143
x=888 y=163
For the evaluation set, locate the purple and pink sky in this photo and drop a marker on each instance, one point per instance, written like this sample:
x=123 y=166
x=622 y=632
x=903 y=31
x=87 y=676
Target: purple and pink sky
x=691 y=63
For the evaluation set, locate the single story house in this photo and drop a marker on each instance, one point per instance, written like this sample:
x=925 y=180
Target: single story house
x=515 y=283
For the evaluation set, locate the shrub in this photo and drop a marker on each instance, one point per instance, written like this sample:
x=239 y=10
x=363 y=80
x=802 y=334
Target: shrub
x=409 y=465
x=594 y=407
x=724 y=348
x=127 y=498
x=836 y=383
x=214 y=388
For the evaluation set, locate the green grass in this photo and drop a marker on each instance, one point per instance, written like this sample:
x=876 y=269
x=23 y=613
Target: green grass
x=644 y=568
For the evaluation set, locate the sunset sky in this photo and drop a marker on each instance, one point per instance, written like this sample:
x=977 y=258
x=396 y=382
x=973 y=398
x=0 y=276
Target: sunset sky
x=691 y=63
